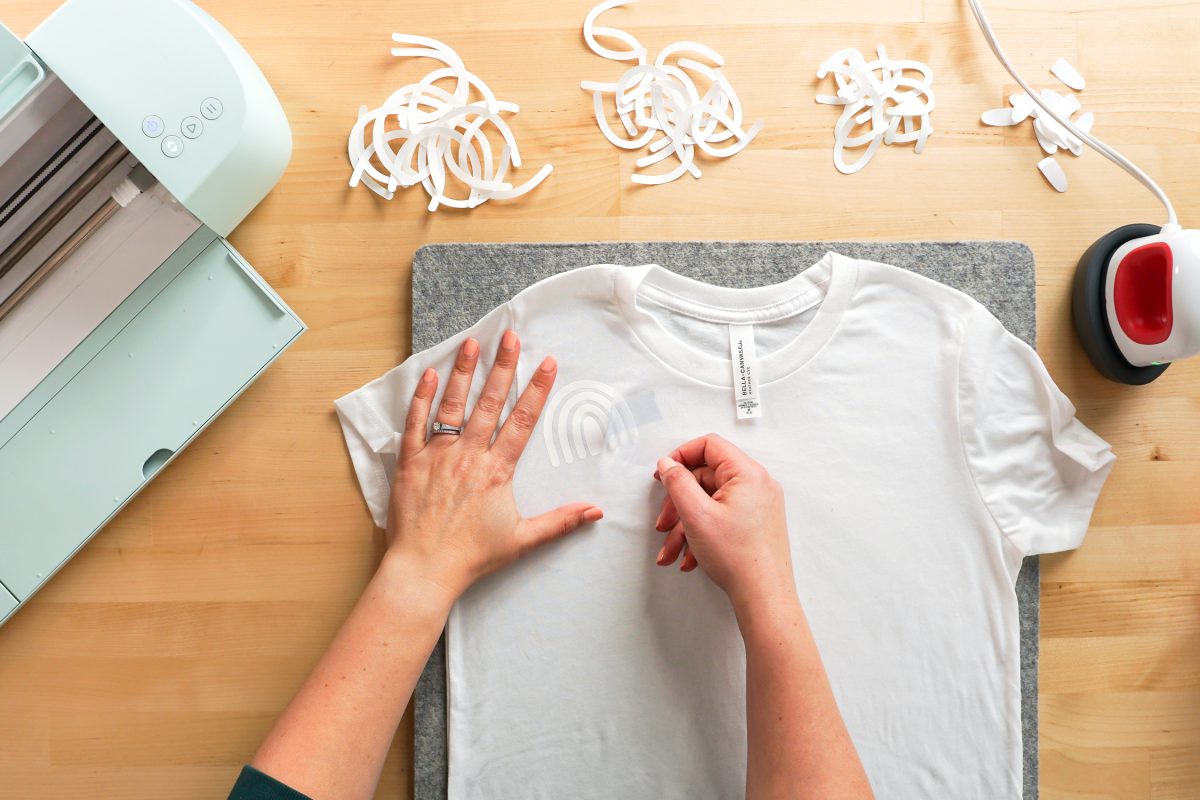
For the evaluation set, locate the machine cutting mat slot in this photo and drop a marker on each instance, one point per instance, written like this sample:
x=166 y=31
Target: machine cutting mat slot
x=139 y=180
x=49 y=170
x=64 y=166
x=52 y=216
x=75 y=201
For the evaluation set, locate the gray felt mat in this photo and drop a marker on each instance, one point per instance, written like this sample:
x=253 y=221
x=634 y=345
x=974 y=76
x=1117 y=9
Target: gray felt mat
x=456 y=284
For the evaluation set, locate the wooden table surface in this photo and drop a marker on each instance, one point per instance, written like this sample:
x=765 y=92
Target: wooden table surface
x=154 y=663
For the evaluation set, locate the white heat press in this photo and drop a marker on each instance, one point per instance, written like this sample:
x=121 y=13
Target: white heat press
x=1136 y=297
x=134 y=136
x=1136 y=300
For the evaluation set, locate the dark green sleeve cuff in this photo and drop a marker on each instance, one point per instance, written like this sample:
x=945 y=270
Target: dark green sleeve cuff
x=255 y=785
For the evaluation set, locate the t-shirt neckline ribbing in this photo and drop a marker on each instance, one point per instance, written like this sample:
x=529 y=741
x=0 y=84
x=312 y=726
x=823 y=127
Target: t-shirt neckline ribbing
x=828 y=284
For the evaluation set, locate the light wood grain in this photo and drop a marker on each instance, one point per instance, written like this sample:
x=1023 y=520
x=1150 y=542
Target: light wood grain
x=152 y=665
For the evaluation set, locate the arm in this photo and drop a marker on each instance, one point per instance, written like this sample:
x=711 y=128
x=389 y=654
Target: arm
x=452 y=519
x=332 y=739
x=798 y=744
x=728 y=514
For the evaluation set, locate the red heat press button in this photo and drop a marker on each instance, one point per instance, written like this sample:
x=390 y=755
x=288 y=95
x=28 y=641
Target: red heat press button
x=1142 y=293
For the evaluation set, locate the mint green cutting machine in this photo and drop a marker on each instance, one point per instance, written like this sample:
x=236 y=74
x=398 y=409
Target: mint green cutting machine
x=134 y=136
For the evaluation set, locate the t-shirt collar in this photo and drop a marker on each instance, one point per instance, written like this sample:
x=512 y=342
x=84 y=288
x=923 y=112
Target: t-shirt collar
x=828 y=284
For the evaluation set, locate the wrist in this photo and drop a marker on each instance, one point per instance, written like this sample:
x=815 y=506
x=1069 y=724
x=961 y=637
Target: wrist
x=413 y=587
x=765 y=605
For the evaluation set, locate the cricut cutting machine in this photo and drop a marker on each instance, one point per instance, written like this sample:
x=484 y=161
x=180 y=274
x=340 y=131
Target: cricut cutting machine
x=134 y=136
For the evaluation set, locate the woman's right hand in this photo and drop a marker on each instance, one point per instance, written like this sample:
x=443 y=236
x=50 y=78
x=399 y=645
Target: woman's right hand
x=728 y=512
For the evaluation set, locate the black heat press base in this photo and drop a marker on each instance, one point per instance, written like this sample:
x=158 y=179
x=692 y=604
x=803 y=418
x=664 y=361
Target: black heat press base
x=1089 y=308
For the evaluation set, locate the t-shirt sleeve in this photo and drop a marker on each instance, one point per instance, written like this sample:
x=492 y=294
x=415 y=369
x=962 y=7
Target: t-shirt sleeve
x=255 y=785
x=372 y=417
x=1038 y=469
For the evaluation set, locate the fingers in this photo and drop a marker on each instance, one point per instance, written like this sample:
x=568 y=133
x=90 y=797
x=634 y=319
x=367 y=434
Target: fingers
x=689 y=562
x=415 y=424
x=486 y=413
x=686 y=493
x=514 y=434
x=669 y=519
x=675 y=544
x=707 y=478
x=537 y=531
x=454 y=399
x=668 y=515
x=672 y=547
x=724 y=458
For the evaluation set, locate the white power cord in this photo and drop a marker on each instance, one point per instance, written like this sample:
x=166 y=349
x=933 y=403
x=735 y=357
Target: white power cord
x=1100 y=147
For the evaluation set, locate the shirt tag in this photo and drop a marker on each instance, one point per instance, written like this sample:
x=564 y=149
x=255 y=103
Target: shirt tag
x=745 y=371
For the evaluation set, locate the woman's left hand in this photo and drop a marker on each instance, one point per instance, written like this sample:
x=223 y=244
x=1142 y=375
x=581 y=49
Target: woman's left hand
x=452 y=514
x=452 y=520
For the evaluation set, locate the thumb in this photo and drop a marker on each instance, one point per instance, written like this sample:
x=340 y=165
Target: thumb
x=555 y=524
x=685 y=491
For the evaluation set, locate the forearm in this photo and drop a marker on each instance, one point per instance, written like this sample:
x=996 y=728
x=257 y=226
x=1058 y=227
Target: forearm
x=798 y=743
x=332 y=739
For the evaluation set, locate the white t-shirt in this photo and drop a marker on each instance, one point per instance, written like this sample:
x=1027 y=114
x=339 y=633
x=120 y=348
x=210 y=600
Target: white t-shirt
x=923 y=450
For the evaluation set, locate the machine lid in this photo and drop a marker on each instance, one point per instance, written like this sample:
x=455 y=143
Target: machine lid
x=179 y=92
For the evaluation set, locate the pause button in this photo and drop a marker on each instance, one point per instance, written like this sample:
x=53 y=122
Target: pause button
x=211 y=108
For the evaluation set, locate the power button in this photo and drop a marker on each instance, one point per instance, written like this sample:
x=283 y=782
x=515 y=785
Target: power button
x=153 y=126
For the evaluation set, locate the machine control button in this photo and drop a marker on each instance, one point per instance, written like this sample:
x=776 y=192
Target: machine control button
x=211 y=108
x=153 y=126
x=172 y=147
x=191 y=127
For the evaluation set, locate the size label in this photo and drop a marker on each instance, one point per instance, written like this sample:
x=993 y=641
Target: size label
x=745 y=371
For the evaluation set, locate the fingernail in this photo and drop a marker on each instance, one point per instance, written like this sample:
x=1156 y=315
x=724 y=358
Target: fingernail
x=665 y=463
x=428 y=375
x=470 y=347
x=548 y=364
x=508 y=342
x=593 y=515
x=661 y=554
